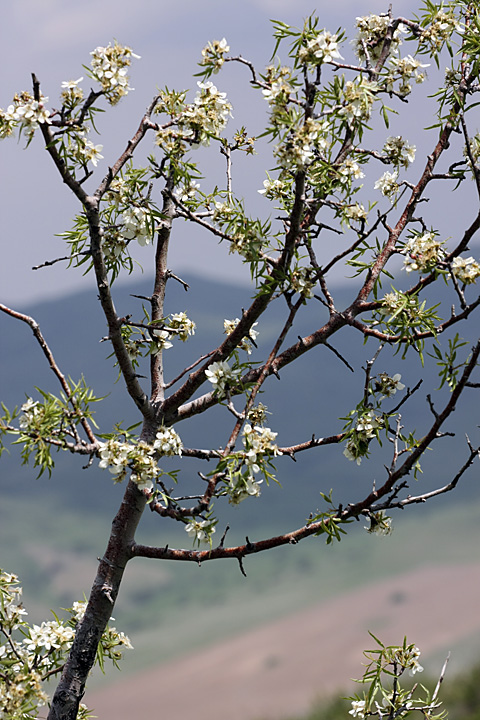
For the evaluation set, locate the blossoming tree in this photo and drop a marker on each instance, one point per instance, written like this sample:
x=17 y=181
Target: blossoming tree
x=319 y=109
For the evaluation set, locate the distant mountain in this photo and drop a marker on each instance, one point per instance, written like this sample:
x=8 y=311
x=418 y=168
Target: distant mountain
x=309 y=398
x=53 y=529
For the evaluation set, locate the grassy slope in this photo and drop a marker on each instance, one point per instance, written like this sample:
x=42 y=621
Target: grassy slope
x=52 y=530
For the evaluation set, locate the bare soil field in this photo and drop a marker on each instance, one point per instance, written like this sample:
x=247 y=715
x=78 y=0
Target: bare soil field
x=278 y=670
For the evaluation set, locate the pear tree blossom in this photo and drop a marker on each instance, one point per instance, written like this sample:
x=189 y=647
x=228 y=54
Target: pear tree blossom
x=327 y=100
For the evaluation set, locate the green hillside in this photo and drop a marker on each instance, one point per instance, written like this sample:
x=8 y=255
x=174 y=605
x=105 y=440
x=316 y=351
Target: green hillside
x=53 y=529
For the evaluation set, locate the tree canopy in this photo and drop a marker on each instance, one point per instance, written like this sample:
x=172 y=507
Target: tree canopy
x=327 y=114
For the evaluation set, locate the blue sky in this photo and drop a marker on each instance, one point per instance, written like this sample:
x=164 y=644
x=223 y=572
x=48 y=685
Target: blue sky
x=53 y=38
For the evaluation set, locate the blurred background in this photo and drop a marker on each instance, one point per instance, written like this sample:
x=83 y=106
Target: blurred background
x=207 y=640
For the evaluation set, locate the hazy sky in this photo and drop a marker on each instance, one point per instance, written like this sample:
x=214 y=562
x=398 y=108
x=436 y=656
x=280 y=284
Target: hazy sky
x=53 y=38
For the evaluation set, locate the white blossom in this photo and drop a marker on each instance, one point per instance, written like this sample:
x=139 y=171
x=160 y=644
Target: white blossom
x=352 y=170
x=358 y=708
x=26 y=112
x=387 y=184
x=168 y=442
x=366 y=428
x=380 y=524
x=405 y=69
x=368 y=424
x=273 y=188
x=466 y=270
x=321 y=49
x=187 y=191
x=423 y=252
x=70 y=84
x=135 y=225
x=440 y=29
x=207 y=116
x=302 y=282
x=200 y=530
x=230 y=325
x=109 y=68
x=221 y=374
x=408 y=658
x=280 y=86
x=399 y=152
x=49 y=635
x=114 y=456
x=387 y=385
x=31 y=410
x=212 y=54
x=358 y=99
x=356 y=212
x=371 y=36
x=184 y=326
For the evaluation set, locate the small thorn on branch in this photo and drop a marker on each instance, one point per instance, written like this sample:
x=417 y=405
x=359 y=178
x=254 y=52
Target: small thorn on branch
x=148 y=298
x=242 y=569
x=430 y=403
x=222 y=540
x=170 y=274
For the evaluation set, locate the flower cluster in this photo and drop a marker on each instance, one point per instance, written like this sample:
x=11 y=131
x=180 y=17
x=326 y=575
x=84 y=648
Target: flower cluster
x=280 y=85
x=299 y=147
x=30 y=653
x=187 y=191
x=372 y=30
x=474 y=147
x=302 y=282
x=71 y=94
x=358 y=708
x=159 y=341
x=408 y=658
x=31 y=411
x=201 y=531
x=25 y=112
x=358 y=99
x=380 y=524
x=183 y=325
x=441 y=29
x=388 y=185
x=296 y=152
x=321 y=49
x=168 y=442
x=274 y=189
x=258 y=441
x=221 y=375
x=355 y=212
x=366 y=428
x=423 y=252
x=49 y=635
x=405 y=69
x=137 y=225
x=466 y=270
x=109 y=68
x=351 y=170
x=118 y=457
x=385 y=694
x=399 y=152
x=387 y=385
x=408 y=317
x=257 y=414
x=249 y=242
x=258 y=445
x=84 y=150
x=212 y=54
x=245 y=344
x=144 y=466
x=207 y=116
